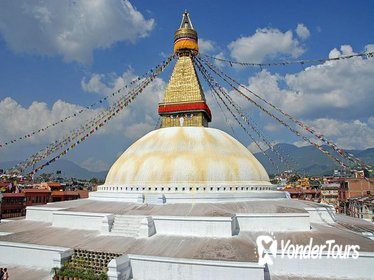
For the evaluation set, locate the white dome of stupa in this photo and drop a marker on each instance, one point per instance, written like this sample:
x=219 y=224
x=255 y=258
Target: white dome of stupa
x=187 y=156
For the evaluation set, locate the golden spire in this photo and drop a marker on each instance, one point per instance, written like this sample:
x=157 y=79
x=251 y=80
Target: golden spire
x=184 y=100
x=185 y=38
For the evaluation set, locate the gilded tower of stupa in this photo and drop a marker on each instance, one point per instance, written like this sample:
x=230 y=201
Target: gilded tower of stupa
x=184 y=101
x=185 y=160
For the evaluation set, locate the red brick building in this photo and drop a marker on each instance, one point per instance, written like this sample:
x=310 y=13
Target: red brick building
x=37 y=196
x=352 y=188
x=14 y=204
x=65 y=195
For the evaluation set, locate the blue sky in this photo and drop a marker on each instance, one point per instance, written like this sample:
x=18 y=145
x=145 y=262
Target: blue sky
x=56 y=56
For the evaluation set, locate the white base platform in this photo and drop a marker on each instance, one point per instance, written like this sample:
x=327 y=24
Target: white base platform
x=186 y=197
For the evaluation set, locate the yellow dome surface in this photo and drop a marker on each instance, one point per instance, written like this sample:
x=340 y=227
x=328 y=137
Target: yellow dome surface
x=187 y=156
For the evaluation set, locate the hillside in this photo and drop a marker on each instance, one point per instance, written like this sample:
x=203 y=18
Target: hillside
x=309 y=160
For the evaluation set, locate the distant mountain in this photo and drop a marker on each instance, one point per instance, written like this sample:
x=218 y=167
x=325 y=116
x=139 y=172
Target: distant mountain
x=308 y=159
x=68 y=168
x=305 y=159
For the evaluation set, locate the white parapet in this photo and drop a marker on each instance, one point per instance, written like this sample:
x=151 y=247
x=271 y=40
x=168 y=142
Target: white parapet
x=83 y=220
x=153 y=267
x=41 y=256
x=324 y=214
x=273 y=222
x=195 y=226
x=117 y=196
x=119 y=268
x=324 y=266
x=184 y=194
x=40 y=213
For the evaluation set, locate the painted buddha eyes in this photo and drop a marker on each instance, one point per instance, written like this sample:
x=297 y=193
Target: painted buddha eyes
x=176 y=116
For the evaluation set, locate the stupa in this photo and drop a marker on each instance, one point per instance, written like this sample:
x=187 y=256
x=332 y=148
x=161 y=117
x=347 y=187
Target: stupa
x=184 y=160
x=188 y=202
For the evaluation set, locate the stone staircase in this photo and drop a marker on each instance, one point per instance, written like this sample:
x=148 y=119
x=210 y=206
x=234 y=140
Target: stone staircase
x=126 y=225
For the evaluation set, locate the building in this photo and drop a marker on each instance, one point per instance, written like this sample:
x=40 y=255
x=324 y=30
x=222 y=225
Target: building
x=64 y=195
x=361 y=207
x=330 y=194
x=352 y=188
x=14 y=204
x=309 y=194
x=37 y=196
x=184 y=202
x=51 y=186
x=304 y=189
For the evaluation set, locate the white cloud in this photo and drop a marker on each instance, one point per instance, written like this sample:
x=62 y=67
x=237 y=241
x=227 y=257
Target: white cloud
x=217 y=62
x=18 y=120
x=266 y=42
x=369 y=48
x=334 y=97
x=72 y=29
x=302 y=31
x=105 y=84
x=141 y=116
x=335 y=89
x=206 y=46
x=353 y=134
x=344 y=50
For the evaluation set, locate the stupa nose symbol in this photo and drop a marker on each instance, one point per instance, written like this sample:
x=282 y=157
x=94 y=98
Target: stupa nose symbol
x=181 y=121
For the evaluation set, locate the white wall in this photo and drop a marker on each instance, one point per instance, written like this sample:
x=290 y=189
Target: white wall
x=81 y=220
x=274 y=222
x=194 y=226
x=361 y=268
x=117 y=196
x=41 y=256
x=184 y=196
x=152 y=267
x=321 y=215
x=41 y=214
